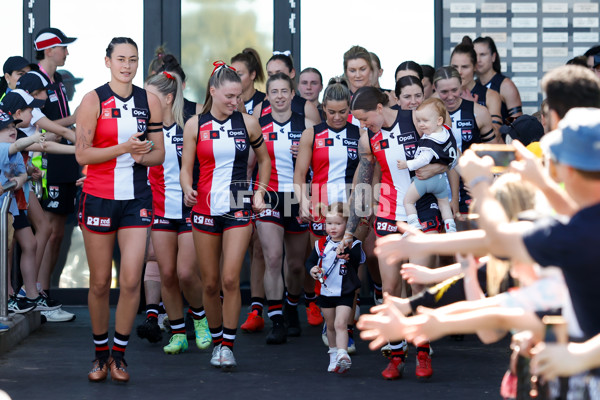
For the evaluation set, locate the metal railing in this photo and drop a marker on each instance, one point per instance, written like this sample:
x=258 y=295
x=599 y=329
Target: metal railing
x=4 y=251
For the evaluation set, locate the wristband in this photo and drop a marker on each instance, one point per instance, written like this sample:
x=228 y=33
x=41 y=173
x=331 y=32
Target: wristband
x=477 y=180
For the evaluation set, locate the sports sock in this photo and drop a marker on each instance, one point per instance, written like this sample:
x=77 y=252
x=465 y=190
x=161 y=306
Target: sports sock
x=152 y=311
x=101 y=345
x=397 y=350
x=198 y=313
x=119 y=345
x=310 y=298
x=292 y=299
x=257 y=304
x=229 y=337
x=275 y=311
x=178 y=326
x=217 y=335
x=423 y=347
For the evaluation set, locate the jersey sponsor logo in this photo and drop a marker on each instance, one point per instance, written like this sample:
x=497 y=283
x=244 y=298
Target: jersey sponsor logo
x=144 y=213
x=160 y=221
x=207 y=126
x=209 y=135
x=188 y=220
x=434 y=205
x=376 y=146
x=352 y=153
x=266 y=111
x=386 y=227
x=267 y=128
x=385 y=144
x=319 y=143
x=467 y=135
x=222 y=128
x=329 y=142
x=53 y=191
x=350 y=142
x=240 y=144
x=242 y=214
x=465 y=123
x=272 y=136
x=110 y=103
x=270 y=213
x=410 y=150
x=202 y=220
x=97 y=221
x=179 y=149
x=323 y=133
x=125 y=106
x=109 y=113
x=407 y=137
x=141 y=125
x=294 y=135
x=317 y=226
x=237 y=133
x=177 y=139
x=53 y=204
x=140 y=112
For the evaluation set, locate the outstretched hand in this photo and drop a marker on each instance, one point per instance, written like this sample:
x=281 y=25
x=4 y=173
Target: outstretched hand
x=386 y=324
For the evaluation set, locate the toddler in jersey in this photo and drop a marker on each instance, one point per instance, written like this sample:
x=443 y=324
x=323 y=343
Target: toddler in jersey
x=437 y=145
x=338 y=275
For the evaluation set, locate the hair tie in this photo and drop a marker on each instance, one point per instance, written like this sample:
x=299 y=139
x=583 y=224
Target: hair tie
x=220 y=64
x=159 y=55
x=168 y=75
x=285 y=53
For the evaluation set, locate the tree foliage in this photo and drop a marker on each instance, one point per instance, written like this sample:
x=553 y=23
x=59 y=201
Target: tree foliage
x=217 y=30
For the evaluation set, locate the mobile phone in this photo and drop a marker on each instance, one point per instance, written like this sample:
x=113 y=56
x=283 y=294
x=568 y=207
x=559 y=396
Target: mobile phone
x=502 y=154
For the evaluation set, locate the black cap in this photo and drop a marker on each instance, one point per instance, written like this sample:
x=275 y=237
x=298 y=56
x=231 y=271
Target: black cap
x=51 y=37
x=526 y=129
x=32 y=81
x=596 y=60
x=68 y=77
x=16 y=63
x=5 y=119
x=18 y=100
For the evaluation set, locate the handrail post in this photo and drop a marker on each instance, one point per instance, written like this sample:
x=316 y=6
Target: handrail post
x=4 y=251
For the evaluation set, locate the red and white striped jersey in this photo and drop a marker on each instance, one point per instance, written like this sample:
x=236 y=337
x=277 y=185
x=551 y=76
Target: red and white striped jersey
x=222 y=151
x=389 y=145
x=167 y=196
x=120 y=178
x=278 y=139
x=334 y=160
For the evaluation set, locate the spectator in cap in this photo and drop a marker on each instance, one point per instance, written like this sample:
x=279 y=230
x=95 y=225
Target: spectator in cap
x=526 y=129
x=34 y=83
x=70 y=81
x=14 y=67
x=62 y=170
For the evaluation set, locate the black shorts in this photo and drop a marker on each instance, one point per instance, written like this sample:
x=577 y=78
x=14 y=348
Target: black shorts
x=20 y=221
x=332 y=302
x=106 y=216
x=283 y=212
x=317 y=228
x=217 y=224
x=61 y=198
x=384 y=227
x=181 y=225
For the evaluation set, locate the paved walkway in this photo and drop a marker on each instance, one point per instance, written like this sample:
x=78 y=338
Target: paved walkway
x=53 y=362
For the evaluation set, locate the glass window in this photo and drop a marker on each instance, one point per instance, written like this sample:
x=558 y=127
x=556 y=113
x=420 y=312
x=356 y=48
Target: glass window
x=217 y=30
x=12 y=23
x=394 y=30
